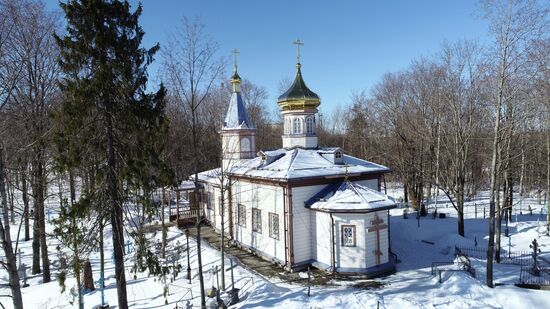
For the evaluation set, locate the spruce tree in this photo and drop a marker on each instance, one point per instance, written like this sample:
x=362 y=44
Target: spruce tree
x=107 y=113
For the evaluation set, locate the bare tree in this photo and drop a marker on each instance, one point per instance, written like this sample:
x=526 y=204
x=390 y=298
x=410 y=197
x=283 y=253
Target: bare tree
x=192 y=70
x=462 y=93
x=512 y=23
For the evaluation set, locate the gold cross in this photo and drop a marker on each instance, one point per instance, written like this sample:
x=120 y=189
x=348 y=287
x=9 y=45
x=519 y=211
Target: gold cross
x=298 y=43
x=235 y=52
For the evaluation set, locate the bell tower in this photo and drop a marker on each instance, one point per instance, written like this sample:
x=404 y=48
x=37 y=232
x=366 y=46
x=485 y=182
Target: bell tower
x=238 y=133
x=299 y=108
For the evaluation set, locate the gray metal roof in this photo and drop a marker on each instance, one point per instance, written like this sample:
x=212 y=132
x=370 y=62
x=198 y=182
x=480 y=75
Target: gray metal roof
x=237 y=117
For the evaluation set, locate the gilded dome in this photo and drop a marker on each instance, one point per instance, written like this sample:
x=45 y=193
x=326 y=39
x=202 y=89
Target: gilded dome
x=298 y=96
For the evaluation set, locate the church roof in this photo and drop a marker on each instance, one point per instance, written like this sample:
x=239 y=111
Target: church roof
x=349 y=196
x=298 y=90
x=237 y=117
x=297 y=163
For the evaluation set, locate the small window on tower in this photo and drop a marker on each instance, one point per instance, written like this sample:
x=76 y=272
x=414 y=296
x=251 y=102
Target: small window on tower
x=287 y=126
x=297 y=126
x=245 y=144
x=338 y=155
x=309 y=125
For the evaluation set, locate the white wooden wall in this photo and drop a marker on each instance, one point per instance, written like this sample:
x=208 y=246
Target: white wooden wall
x=303 y=239
x=369 y=183
x=268 y=199
x=362 y=255
x=321 y=249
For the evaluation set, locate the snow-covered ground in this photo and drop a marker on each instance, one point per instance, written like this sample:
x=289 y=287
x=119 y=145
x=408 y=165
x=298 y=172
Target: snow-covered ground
x=412 y=286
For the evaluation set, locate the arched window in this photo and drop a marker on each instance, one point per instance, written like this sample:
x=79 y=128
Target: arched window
x=309 y=124
x=296 y=126
x=245 y=144
x=287 y=126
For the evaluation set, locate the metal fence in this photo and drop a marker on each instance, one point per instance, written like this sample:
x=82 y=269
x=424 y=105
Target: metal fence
x=539 y=276
x=521 y=258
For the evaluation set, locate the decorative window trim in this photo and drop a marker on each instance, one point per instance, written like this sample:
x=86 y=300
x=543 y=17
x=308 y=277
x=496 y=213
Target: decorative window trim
x=245 y=144
x=241 y=215
x=309 y=125
x=257 y=220
x=288 y=126
x=343 y=237
x=273 y=231
x=296 y=126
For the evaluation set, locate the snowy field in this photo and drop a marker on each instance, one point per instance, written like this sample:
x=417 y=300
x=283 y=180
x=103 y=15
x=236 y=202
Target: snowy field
x=413 y=286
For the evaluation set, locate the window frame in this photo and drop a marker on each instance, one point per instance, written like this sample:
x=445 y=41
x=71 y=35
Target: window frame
x=309 y=124
x=245 y=141
x=343 y=238
x=241 y=215
x=273 y=235
x=296 y=126
x=256 y=220
x=208 y=200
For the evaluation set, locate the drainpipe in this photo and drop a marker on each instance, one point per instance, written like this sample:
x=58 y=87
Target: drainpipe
x=230 y=207
x=285 y=228
x=333 y=255
x=389 y=235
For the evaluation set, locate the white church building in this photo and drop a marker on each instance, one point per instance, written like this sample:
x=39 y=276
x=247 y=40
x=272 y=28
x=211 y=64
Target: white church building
x=301 y=205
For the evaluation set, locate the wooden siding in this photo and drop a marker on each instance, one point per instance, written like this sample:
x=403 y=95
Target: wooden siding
x=301 y=223
x=268 y=199
x=322 y=247
x=363 y=254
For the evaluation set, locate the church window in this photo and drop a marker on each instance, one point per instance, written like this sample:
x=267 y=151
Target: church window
x=256 y=220
x=309 y=124
x=338 y=155
x=241 y=219
x=245 y=144
x=209 y=200
x=348 y=235
x=296 y=126
x=287 y=126
x=273 y=225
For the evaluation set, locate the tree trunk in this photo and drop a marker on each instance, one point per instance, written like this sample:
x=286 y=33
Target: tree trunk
x=198 y=223
x=460 y=208
x=25 y=196
x=60 y=189
x=116 y=216
x=101 y=254
x=5 y=237
x=12 y=202
x=36 y=227
x=163 y=224
x=42 y=221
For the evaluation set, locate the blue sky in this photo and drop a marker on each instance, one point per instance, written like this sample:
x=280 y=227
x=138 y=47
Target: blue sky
x=349 y=45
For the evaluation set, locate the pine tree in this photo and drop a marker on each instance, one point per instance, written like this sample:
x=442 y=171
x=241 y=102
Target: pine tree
x=107 y=112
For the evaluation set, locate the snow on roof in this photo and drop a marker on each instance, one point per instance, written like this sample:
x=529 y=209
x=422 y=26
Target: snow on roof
x=285 y=164
x=349 y=196
x=212 y=176
x=186 y=185
x=236 y=117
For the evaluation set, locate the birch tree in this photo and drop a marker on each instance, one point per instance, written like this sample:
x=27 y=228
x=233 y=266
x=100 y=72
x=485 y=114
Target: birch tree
x=512 y=24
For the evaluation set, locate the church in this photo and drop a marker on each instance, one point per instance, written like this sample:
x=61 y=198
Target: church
x=301 y=205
